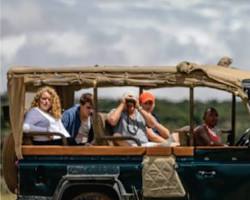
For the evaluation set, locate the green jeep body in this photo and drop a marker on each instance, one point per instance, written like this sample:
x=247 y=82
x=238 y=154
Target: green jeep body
x=208 y=174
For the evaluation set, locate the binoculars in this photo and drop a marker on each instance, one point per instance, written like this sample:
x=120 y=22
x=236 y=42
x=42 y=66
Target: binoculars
x=130 y=101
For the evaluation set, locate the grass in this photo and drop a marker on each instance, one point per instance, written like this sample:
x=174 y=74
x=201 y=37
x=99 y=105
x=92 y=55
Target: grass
x=8 y=196
x=5 y=193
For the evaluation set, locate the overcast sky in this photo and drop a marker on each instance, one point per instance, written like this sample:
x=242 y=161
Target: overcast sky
x=131 y=32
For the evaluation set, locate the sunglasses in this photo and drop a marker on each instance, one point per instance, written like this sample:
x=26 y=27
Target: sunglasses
x=130 y=101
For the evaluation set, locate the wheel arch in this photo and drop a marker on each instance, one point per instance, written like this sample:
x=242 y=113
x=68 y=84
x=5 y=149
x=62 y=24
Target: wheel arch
x=81 y=188
x=70 y=186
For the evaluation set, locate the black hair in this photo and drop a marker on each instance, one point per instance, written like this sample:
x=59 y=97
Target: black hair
x=210 y=109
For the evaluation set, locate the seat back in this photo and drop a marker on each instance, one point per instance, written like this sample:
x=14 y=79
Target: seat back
x=108 y=130
x=184 y=135
x=102 y=128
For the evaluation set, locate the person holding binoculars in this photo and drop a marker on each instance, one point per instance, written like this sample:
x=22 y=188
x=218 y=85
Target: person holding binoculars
x=130 y=119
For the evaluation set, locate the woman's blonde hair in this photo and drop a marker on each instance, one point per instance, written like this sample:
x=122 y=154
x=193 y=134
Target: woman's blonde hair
x=55 y=109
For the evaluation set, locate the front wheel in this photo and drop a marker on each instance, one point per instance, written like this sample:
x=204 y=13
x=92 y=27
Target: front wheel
x=9 y=167
x=92 y=196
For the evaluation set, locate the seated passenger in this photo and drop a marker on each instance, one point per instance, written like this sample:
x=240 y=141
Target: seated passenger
x=45 y=116
x=159 y=133
x=78 y=121
x=129 y=119
x=204 y=135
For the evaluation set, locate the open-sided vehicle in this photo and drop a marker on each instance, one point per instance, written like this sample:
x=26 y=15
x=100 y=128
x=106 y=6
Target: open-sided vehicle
x=104 y=171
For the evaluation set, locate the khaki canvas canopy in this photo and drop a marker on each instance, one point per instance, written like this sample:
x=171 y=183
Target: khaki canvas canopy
x=185 y=74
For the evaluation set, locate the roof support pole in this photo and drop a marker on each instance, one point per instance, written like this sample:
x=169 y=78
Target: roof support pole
x=191 y=116
x=95 y=100
x=95 y=115
x=140 y=90
x=231 y=136
x=67 y=96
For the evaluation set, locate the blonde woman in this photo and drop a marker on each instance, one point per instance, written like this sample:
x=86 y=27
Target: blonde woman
x=44 y=115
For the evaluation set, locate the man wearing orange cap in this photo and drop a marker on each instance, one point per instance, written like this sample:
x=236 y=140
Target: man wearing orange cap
x=159 y=133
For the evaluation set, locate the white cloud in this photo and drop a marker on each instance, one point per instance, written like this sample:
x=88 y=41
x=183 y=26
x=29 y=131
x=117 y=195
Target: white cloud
x=236 y=25
x=147 y=4
x=135 y=50
x=22 y=14
x=132 y=53
x=206 y=42
x=206 y=38
x=136 y=32
x=129 y=22
x=11 y=45
x=68 y=2
x=70 y=44
x=210 y=13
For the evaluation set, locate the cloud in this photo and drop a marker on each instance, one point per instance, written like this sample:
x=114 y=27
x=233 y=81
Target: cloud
x=210 y=13
x=11 y=45
x=147 y=4
x=70 y=44
x=208 y=43
x=162 y=32
x=22 y=15
x=68 y=2
x=132 y=50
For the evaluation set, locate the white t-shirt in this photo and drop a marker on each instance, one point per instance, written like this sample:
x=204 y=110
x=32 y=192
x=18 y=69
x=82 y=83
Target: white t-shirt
x=83 y=132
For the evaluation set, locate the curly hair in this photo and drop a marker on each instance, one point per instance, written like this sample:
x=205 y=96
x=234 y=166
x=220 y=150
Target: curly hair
x=55 y=109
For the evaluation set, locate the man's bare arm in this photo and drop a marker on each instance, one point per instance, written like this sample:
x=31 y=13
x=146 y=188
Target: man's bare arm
x=114 y=116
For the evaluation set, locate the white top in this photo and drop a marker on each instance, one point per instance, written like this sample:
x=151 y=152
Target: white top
x=83 y=132
x=54 y=125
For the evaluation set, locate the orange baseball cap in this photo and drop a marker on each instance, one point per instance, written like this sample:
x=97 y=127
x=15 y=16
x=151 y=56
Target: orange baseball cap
x=146 y=96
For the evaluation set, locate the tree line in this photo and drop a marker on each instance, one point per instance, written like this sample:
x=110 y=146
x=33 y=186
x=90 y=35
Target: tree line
x=174 y=114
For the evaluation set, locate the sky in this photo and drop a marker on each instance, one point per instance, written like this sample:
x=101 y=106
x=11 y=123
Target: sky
x=56 y=33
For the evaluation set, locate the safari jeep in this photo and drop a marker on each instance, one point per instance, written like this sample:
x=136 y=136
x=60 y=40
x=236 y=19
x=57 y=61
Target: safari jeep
x=105 y=171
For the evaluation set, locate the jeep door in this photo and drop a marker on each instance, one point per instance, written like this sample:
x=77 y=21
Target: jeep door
x=216 y=173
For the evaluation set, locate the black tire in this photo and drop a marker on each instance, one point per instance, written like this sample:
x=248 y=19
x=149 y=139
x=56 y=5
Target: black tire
x=9 y=167
x=92 y=196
